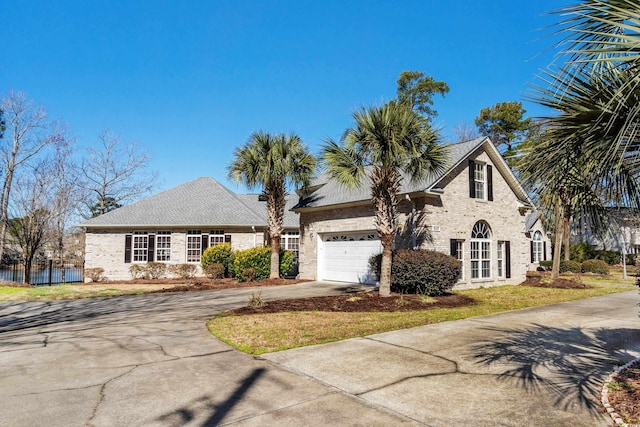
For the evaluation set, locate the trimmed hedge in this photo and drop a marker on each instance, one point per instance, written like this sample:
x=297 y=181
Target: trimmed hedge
x=610 y=257
x=596 y=266
x=565 y=266
x=418 y=271
x=218 y=254
x=256 y=262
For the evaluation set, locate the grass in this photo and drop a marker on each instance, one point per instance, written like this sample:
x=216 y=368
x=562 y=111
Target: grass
x=72 y=291
x=263 y=333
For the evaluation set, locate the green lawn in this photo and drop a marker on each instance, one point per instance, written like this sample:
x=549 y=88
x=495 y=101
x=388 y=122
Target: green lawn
x=262 y=333
x=73 y=291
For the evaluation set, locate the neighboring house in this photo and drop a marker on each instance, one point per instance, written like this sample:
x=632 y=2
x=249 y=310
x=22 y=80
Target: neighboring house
x=177 y=225
x=623 y=233
x=476 y=211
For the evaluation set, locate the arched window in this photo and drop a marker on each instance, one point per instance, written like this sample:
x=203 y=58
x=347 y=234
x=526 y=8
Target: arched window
x=481 y=251
x=536 y=247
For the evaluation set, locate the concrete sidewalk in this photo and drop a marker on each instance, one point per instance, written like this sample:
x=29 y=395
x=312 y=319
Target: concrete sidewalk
x=540 y=367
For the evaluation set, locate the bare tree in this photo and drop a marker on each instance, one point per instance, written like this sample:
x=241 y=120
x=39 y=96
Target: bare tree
x=113 y=174
x=65 y=195
x=31 y=215
x=464 y=131
x=28 y=133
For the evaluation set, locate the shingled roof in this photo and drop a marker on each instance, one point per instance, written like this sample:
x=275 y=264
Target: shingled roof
x=328 y=192
x=203 y=202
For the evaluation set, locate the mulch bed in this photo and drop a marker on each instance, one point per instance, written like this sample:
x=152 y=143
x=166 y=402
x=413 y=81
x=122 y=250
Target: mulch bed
x=360 y=302
x=625 y=398
x=536 y=282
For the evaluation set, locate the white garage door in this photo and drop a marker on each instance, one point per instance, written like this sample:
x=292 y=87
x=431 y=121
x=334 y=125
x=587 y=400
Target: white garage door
x=345 y=257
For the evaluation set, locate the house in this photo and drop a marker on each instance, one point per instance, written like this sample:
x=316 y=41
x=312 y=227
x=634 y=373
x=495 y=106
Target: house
x=476 y=211
x=177 y=225
x=623 y=234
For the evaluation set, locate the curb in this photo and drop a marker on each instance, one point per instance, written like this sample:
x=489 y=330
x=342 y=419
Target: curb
x=605 y=394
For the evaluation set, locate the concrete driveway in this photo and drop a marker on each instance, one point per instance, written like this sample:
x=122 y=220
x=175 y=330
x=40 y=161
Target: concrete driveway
x=149 y=360
x=536 y=367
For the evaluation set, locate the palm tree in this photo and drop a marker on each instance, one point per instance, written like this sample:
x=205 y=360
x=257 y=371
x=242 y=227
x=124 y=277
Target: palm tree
x=384 y=144
x=274 y=163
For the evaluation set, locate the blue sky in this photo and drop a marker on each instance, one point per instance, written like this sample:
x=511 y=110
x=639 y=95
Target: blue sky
x=190 y=81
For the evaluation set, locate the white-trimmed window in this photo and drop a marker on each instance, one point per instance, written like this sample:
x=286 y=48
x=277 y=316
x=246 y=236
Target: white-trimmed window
x=481 y=251
x=500 y=260
x=194 y=245
x=536 y=247
x=216 y=237
x=140 y=246
x=479 y=180
x=290 y=240
x=163 y=246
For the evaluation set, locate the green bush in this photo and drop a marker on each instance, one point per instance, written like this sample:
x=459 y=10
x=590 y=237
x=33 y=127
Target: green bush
x=610 y=257
x=259 y=259
x=214 y=271
x=630 y=259
x=218 y=254
x=581 y=251
x=249 y=274
x=155 y=270
x=184 y=271
x=416 y=271
x=547 y=265
x=595 y=266
x=570 y=266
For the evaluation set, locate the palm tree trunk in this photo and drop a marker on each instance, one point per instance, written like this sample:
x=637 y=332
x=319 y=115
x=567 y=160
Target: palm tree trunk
x=385 y=265
x=275 y=257
x=565 y=233
x=555 y=271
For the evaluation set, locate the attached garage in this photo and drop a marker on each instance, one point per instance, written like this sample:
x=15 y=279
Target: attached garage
x=345 y=257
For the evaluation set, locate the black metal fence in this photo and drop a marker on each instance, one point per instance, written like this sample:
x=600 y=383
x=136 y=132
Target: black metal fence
x=46 y=272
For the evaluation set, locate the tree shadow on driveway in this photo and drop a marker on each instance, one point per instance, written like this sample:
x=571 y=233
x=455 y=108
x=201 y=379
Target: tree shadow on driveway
x=567 y=363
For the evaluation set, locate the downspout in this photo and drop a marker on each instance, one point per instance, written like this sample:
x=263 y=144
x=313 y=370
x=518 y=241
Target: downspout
x=414 y=240
x=253 y=228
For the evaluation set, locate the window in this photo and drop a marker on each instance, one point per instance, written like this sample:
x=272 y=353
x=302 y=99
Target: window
x=194 y=245
x=457 y=251
x=480 y=251
x=216 y=237
x=478 y=180
x=163 y=246
x=290 y=240
x=500 y=259
x=536 y=247
x=140 y=246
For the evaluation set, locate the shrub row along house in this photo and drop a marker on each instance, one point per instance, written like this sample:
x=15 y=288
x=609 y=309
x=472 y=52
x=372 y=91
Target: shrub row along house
x=476 y=211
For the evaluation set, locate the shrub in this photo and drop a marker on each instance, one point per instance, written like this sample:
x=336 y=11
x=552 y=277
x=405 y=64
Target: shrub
x=259 y=259
x=156 y=270
x=547 y=265
x=287 y=263
x=138 y=271
x=569 y=266
x=214 y=271
x=249 y=274
x=610 y=257
x=415 y=271
x=630 y=259
x=581 y=251
x=595 y=266
x=218 y=254
x=184 y=271
x=94 y=274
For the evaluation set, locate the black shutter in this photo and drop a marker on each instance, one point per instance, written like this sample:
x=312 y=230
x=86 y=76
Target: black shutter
x=127 y=249
x=227 y=238
x=531 y=250
x=205 y=243
x=472 y=182
x=507 y=259
x=151 y=248
x=489 y=182
x=544 y=249
x=453 y=248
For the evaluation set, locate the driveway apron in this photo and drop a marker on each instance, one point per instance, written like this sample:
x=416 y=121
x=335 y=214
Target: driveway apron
x=537 y=367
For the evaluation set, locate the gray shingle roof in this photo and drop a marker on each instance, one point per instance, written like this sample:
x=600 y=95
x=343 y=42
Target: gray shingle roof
x=202 y=202
x=531 y=219
x=329 y=192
